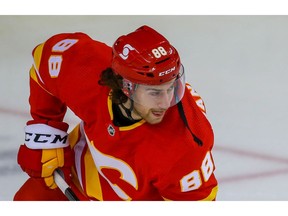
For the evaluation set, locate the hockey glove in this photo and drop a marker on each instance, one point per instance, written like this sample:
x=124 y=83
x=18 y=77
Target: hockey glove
x=45 y=149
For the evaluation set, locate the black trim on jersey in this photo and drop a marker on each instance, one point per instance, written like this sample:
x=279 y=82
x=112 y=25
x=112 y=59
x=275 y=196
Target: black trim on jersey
x=128 y=111
x=119 y=119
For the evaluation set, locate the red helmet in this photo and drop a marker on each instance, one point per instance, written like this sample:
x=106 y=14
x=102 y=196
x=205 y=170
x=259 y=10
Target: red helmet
x=145 y=57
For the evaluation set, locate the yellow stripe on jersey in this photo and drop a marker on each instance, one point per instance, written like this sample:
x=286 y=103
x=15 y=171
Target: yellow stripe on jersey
x=74 y=136
x=34 y=76
x=212 y=195
x=91 y=173
x=37 y=55
x=93 y=186
x=109 y=103
x=137 y=124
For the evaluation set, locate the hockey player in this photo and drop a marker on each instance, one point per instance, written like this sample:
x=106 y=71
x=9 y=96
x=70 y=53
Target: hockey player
x=144 y=134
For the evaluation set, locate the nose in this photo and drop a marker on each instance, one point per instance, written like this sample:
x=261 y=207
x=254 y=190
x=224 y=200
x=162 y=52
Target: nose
x=165 y=100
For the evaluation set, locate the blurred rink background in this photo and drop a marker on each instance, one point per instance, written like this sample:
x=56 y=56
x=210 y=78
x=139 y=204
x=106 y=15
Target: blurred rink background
x=238 y=64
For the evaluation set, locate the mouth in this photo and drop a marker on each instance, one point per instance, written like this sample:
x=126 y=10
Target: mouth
x=158 y=114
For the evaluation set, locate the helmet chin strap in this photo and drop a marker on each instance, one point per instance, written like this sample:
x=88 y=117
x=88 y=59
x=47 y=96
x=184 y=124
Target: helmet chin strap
x=128 y=111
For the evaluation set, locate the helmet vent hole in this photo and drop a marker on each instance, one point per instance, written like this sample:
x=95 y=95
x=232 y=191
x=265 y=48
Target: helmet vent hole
x=150 y=75
x=159 y=62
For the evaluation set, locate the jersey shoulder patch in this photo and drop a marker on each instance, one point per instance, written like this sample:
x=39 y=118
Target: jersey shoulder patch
x=197 y=98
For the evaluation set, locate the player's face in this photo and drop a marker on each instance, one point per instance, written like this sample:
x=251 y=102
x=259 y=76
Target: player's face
x=155 y=100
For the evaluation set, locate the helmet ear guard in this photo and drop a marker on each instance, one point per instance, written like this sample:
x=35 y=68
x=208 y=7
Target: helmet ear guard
x=128 y=87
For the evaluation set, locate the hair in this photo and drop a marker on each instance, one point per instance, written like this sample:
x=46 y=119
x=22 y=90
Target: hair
x=115 y=82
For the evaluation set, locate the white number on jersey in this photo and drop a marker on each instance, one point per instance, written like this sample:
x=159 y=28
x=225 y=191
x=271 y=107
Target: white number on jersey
x=192 y=181
x=55 y=61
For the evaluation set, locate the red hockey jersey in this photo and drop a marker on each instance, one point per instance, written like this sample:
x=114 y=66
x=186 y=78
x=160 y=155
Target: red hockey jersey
x=137 y=162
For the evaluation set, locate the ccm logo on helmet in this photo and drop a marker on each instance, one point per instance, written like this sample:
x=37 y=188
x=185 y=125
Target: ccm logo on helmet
x=167 y=71
x=126 y=50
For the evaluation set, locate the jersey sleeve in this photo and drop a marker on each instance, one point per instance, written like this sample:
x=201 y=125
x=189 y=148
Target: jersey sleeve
x=65 y=74
x=45 y=108
x=191 y=178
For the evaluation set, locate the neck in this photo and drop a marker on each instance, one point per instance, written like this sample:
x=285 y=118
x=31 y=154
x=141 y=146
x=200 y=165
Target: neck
x=128 y=110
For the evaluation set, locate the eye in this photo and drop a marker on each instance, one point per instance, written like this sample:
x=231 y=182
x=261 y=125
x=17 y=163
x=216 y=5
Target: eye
x=155 y=93
x=170 y=89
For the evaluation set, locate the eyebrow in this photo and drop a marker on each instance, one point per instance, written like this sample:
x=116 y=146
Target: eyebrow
x=153 y=89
